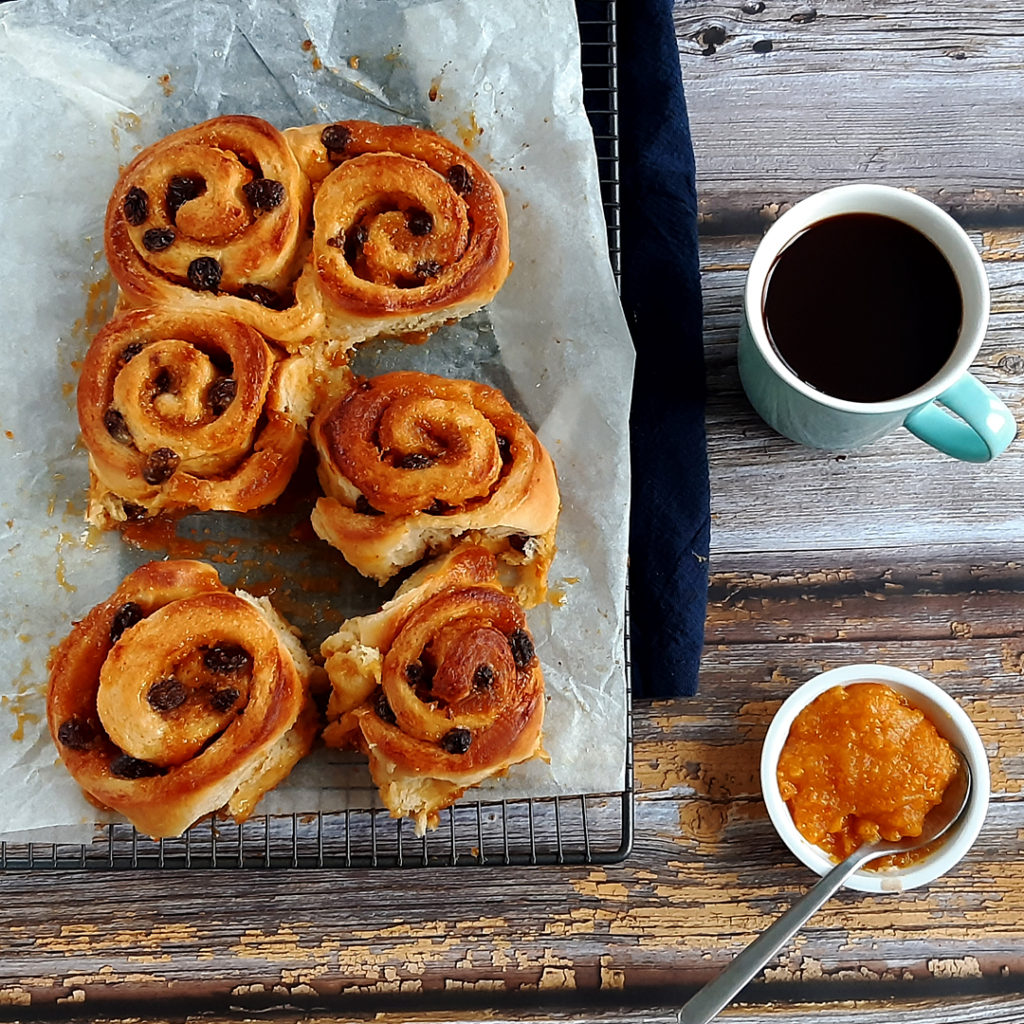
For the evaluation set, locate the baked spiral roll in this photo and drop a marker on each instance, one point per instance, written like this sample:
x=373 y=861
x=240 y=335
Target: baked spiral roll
x=409 y=230
x=216 y=216
x=176 y=698
x=187 y=411
x=442 y=688
x=410 y=462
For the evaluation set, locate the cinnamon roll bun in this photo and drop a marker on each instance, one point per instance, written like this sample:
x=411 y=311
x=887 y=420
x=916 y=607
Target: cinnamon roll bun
x=410 y=462
x=441 y=689
x=216 y=217
x=409 y=230
x=176 y=698
x=188 y=411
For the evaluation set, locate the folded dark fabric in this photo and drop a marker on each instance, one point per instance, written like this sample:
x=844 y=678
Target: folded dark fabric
x=670 y=519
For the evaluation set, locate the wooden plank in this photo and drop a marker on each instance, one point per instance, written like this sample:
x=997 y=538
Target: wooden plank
x=770 y=495
x=996 y=1008
x=786 y=96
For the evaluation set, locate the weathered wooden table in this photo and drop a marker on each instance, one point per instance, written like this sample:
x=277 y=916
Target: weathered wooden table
x=889 y=554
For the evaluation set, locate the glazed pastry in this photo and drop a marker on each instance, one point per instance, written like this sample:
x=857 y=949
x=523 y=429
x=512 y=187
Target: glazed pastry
x=410 y=462
x=217 y=217
x=176 y=698
x=188 y=411
x=409 y=231
x=441 y=689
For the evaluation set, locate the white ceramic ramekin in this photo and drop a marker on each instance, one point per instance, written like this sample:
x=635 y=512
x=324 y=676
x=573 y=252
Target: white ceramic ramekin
x=951 y=721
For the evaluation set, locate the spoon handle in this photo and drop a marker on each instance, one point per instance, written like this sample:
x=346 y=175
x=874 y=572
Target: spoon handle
x=719 y=992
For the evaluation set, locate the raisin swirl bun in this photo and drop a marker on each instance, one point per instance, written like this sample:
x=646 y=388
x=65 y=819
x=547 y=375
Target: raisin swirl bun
x=176 y=698
x=216 y=217
x=187 y=411
x=410 y=462
x=441 y=689
x=410 y=232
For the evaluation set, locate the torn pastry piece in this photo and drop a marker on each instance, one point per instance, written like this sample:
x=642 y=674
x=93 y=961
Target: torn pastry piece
x=411 y=462
x=441 y=689
x=188 y=411
x=410 y=232
x=176 y=698
x=217 y=217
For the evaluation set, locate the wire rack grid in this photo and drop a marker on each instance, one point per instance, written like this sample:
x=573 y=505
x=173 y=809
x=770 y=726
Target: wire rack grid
x=584 y=829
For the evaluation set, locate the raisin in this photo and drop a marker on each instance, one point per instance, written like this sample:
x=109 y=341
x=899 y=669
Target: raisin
x=336 y=138
x=354 y=242
x=129 y=352
x=136 y=206
x=459 y=179
x=420 y=222
x=76 y=734
x=204 y=274
x=364 y=508
x=132 y=512
x=167 y=694
x=518 y=542
x=124 y=618
x=264 y=193
x=160 y=465
x=483 y=676
x=221 y=361
x=427 y=269
x=419 y=674
x=116 y=426
x=504 y=448
x=224 y=700
x=457 y=740
x=337 y=242
x=264 y=296
x=158 y=239
x=414 y=460
x=163 y=381
x=124 y=766
x=227 y=658
x=383 y=709
x=182 y=188
x=221 y=394
x=437 y=508
x=521 y=646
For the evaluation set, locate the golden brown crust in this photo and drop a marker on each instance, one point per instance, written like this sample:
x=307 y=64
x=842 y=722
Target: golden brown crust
x=441 y=688
x=228 y=190
x=185 y=411
x=175 y=695
x=410 y=462
x=410 y=231
x=407 y=231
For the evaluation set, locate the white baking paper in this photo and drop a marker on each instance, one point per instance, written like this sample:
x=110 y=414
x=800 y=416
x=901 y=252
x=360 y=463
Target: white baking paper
x=84 y=86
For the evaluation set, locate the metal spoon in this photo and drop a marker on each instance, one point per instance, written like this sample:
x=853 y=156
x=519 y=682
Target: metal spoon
x=719 y=992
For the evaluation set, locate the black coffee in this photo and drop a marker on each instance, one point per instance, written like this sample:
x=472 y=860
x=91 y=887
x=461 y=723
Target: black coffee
x=863 y=307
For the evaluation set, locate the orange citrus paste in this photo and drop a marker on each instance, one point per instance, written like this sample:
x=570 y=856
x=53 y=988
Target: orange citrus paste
x=861 y=763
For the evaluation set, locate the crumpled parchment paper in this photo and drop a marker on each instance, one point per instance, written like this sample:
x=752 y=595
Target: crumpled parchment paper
x=85 y=86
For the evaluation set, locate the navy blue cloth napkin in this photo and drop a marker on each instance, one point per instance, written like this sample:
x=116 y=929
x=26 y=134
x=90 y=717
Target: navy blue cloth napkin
x=670 y=519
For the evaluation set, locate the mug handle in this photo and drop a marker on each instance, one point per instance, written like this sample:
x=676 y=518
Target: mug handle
x=985 y=428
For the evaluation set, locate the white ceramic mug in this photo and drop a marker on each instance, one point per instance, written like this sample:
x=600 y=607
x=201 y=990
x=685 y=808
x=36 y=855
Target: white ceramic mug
x=982 y=426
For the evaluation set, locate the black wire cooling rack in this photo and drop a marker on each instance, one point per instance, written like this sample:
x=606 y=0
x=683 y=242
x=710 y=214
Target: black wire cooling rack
x=584 y=829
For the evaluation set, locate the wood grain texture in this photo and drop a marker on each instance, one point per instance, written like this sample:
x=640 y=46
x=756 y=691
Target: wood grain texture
x=770 y=495
x=787 y=96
